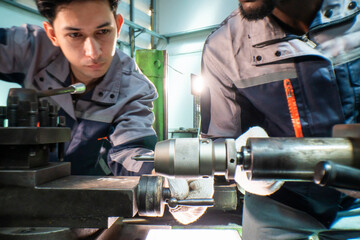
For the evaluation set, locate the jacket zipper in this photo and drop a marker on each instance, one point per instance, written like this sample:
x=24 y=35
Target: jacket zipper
x=305 y=39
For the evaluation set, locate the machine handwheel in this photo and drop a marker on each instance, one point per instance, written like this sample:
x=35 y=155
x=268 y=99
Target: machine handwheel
x=150 y=196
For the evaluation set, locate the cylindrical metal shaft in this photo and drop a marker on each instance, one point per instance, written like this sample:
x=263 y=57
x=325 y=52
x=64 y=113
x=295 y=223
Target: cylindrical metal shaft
x=291 y=159
x=200 y=202
x=144 y=158
x=295 y=158
x=193 y=157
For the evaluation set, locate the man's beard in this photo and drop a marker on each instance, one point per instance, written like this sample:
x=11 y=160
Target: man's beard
x=258 y=13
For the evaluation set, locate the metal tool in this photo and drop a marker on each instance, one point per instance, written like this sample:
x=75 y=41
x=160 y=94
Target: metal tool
x=193 y=157
x=76 y=88
x=152 y=197
x=290 y=159
x=263 y=158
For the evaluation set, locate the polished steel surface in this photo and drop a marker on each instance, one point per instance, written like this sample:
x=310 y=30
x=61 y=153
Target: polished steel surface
x=35 y=176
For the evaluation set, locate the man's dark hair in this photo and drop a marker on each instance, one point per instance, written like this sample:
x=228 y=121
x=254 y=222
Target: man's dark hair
x=48 y=8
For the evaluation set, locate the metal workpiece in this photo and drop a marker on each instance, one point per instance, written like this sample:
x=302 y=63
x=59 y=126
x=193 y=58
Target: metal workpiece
x=295 y=158
x=193 y=157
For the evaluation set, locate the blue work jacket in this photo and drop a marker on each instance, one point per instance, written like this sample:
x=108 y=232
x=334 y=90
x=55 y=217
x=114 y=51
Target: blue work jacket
x=258 y=74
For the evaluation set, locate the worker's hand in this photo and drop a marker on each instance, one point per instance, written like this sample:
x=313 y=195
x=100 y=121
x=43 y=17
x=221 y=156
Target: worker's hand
x=190 y=189
x=259 y=187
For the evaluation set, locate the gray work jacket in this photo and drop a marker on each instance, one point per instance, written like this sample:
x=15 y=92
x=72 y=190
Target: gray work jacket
x=245 y=62
x=113 y=121
x=258 y=74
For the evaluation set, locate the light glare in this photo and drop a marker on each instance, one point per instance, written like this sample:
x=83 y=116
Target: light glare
x=181 y=234
x=197 y=85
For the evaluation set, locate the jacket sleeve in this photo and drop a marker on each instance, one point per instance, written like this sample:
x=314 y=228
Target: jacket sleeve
x=220 y=113
x=134 y=134
x=20 y=49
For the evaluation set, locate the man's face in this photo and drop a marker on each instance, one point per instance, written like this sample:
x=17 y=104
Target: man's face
x=256 y=9
x=86 y=32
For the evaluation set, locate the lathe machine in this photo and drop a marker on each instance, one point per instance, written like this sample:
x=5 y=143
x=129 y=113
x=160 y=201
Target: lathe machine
x=38 y=193
x=332 y=161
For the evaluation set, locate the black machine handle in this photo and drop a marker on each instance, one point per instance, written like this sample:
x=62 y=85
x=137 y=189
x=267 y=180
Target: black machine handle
x=335 y=175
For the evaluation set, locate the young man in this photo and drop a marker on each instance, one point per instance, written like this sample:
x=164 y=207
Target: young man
x=293 y=68
x=110 y=122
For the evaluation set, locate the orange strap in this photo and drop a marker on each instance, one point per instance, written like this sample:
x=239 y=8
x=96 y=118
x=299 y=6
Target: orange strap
x=294 y=113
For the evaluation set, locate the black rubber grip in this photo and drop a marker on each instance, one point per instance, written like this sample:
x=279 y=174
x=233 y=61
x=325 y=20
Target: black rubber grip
x=335 y=175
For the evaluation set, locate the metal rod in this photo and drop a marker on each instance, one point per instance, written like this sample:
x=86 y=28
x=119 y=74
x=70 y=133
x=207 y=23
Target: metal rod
x=195 y=202
x=193 y=31
x=137 y=26
x=144 y=158
x=152 y=22
x=132 y=30
x=73 y=89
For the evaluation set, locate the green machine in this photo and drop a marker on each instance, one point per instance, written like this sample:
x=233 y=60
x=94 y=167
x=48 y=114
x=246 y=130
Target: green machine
x=153 y=64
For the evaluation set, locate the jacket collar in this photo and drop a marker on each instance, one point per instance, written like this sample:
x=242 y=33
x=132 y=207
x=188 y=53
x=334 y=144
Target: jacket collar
x=335 y=10
x=266 y=31
x=107 y=91
x=59 y=68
